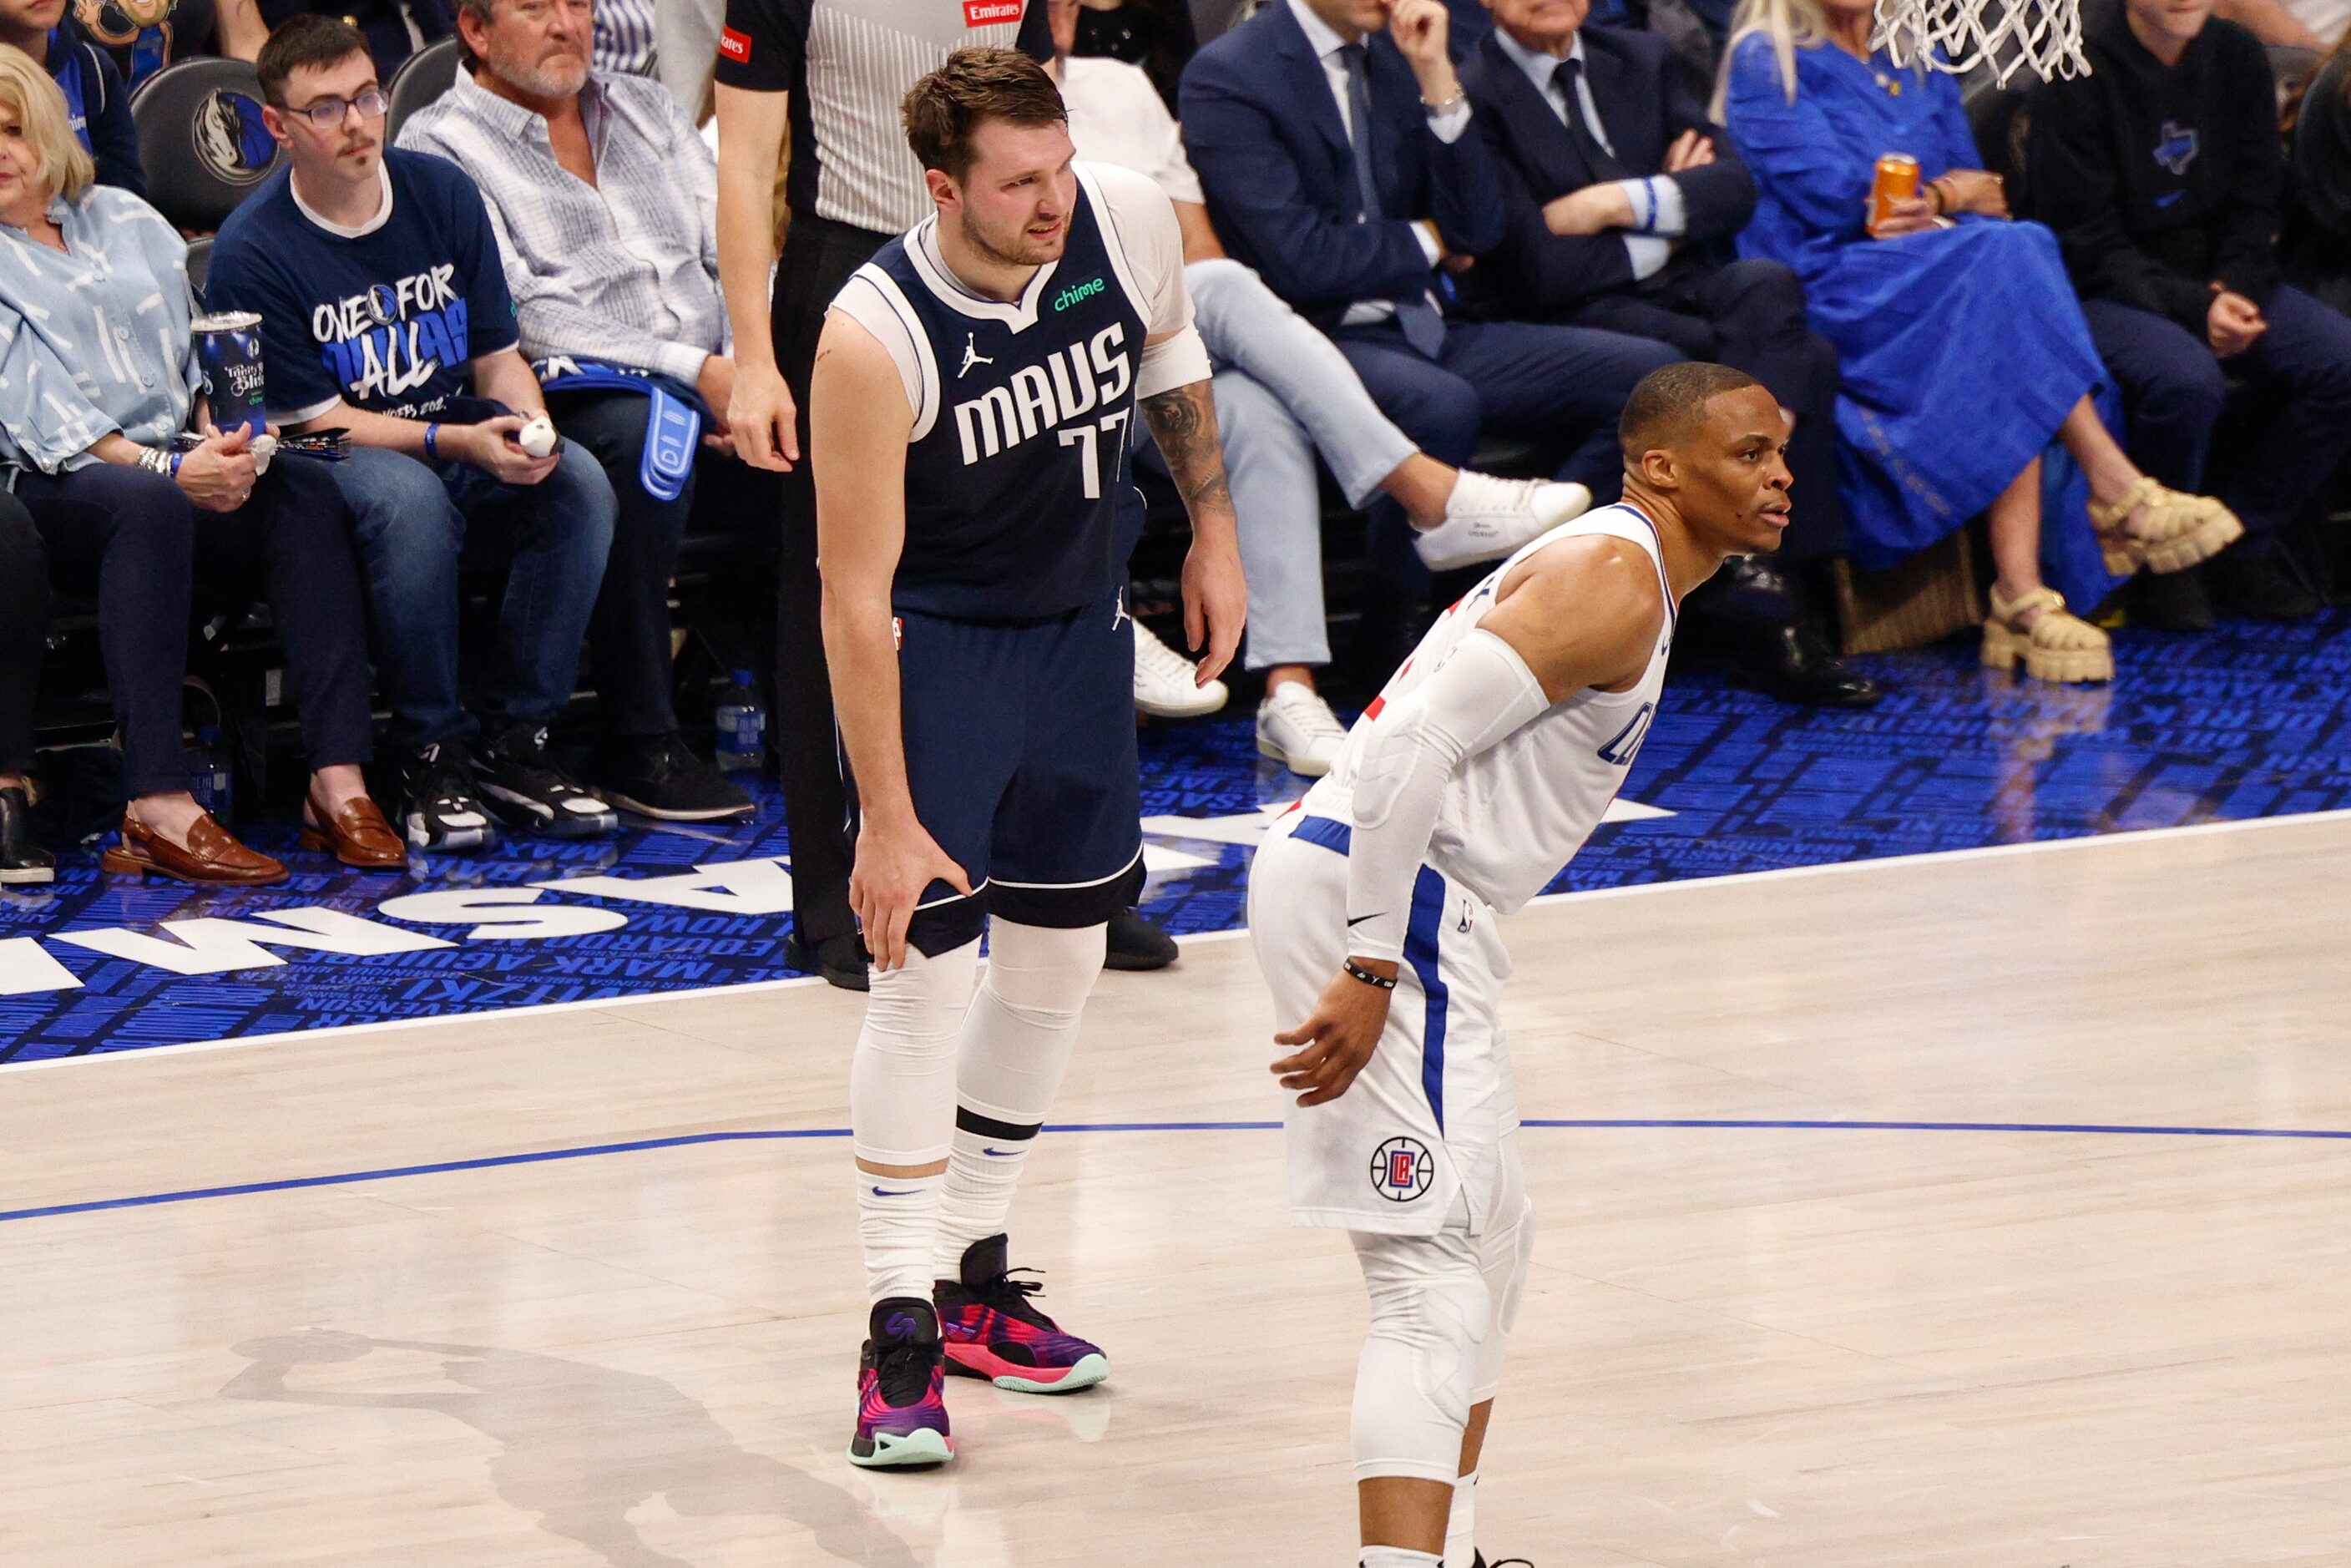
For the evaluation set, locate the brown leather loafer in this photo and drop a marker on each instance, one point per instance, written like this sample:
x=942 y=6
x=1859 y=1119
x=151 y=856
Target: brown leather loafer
x=212 y=855
x=356 y=835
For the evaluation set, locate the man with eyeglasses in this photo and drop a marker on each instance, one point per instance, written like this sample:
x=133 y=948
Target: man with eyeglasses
x=385 y=314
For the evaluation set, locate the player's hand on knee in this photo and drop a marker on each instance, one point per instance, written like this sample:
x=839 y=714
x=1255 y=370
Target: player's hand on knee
x=894 y=864
x=1337 y=1040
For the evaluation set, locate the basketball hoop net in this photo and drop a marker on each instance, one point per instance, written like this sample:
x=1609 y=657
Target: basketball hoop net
x=2002 y=37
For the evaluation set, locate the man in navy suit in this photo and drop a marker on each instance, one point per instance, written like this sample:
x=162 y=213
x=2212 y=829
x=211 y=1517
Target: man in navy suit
x=1332 y=140
x=1621 y=208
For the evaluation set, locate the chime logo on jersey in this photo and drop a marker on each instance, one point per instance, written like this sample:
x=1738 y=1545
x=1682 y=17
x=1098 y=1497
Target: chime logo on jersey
x=395 y=336
x=1402 y=1169
x=1038 y=397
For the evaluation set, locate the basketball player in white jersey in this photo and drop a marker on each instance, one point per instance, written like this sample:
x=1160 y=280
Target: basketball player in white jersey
x=1465 y=787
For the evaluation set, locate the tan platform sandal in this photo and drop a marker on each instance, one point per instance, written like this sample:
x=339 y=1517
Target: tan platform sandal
x=2177 y=531
x=2057 y=647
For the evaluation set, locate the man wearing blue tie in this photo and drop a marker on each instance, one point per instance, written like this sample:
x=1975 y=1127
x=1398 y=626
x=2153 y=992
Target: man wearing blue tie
x=1622 y=202
x=1331 y=141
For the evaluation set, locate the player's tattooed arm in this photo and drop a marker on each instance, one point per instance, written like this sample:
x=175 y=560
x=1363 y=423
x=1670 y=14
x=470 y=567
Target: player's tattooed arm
x=1183 y=419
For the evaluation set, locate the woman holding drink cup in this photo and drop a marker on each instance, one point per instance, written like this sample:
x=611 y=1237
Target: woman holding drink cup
x=1962 y=345
x=98 y=378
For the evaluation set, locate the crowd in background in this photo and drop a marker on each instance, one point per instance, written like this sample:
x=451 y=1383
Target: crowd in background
x=1426 y=239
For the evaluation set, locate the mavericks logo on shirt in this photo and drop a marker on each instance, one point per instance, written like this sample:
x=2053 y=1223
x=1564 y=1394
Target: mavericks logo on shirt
x=383 y=344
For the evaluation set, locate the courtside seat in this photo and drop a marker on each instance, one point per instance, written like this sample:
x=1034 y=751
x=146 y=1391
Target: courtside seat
x=422 y=77
x=202 y=140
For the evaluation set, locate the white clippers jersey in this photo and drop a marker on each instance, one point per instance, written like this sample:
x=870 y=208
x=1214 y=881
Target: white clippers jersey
x=1516 y=813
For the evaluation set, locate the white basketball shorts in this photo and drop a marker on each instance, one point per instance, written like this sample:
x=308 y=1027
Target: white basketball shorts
x=1426 y=1120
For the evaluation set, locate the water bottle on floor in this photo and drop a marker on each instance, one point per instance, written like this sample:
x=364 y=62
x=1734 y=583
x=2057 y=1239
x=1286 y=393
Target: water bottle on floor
x=742 y=726
x=210 y=780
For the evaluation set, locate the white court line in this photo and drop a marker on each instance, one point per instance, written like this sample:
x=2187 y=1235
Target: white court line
x=541 y=1009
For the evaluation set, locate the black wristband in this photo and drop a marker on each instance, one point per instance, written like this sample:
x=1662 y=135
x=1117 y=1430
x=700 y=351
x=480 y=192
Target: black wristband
x=1357 y=972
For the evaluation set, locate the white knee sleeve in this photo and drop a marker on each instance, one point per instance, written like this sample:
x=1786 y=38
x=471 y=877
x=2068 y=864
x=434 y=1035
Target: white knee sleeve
x=1020 y=1035
x=1431 y=1314
x=1016 y=1044
x=1505 y=1249
x=902 y=1080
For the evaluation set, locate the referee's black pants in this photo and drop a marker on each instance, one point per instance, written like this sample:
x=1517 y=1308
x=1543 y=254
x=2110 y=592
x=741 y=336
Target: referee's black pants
x=819 y=256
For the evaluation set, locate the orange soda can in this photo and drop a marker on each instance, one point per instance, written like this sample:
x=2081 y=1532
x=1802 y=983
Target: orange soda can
x=1897 y=181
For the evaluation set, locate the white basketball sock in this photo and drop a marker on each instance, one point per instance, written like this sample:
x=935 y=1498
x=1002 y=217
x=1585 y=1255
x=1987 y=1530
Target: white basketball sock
x=1398 y=1557
x=902 y=1112
x=1015 y=1044
x=1461 y=1524
x=898 y=1224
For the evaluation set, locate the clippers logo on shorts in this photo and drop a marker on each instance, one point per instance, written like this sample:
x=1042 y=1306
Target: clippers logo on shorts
x=989 y=13
x=734 y=46
x=1402 y=1169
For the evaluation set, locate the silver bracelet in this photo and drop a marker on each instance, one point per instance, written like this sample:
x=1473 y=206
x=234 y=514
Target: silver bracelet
x=155 y=461
x=1461 y=96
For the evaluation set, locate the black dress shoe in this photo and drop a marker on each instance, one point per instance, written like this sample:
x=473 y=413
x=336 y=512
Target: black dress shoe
x=23 y=862
x=1137 y=944
x=659 y=776
x=841 y=959
x=1754 y=616
x=2173 y=601
x=2255 y=578
x=1795 y=663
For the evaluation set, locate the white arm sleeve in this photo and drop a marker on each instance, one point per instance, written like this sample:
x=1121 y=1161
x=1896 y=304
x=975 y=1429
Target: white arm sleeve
x=1478 y=697
x=1176 y=362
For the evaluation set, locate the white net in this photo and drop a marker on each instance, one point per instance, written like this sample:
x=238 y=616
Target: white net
x=2001 y=37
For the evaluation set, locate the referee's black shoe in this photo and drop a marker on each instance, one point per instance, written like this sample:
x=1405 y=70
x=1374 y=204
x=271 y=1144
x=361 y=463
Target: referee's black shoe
x=841 y=959
x=1137 y=944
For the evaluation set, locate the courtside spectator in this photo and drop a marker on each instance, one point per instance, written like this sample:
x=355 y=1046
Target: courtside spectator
x=1333 y=141
x=1283 y=391
x=1625 y=203
x=626 y=40
x=385 y=314
x=2314 y=247
x=98 y=106
x=831 y=73
x=604 y=200
x=1155 y=36
x=395 y=29
x=91 y=436
x=24 y=624
x=1962 y=346
x=2161 y=172
x=145 y=35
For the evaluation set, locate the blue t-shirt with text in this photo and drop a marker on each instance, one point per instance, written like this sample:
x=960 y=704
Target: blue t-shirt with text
x=385 y=321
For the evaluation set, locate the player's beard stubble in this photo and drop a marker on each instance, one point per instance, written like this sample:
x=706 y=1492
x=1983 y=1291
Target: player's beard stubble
x=1012 y=247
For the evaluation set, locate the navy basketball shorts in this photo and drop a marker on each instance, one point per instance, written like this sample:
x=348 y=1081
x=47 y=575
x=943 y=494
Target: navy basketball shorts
x=1020 y=740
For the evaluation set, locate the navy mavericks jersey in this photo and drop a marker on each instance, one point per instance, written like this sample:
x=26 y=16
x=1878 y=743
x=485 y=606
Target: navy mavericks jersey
x=1018 y=452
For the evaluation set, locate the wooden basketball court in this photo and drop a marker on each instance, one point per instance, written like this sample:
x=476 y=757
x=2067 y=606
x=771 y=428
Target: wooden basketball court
x=1745 y=1342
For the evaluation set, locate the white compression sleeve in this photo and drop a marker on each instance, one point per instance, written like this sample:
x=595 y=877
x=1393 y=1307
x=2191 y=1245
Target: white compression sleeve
x=1173 y=362
x=1478 y=696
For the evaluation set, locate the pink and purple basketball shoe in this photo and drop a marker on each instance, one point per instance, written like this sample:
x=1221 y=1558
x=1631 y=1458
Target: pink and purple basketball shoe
x=901 y=1408
x=993 y=1331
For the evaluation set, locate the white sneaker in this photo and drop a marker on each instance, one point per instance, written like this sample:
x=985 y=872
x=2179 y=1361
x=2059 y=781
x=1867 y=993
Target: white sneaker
x=1297 y=728
x=1167 y=684
x=1486 y=518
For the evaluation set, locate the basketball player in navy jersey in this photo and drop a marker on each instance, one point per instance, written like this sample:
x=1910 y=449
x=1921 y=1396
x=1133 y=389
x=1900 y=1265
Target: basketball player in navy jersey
x=970 y=418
